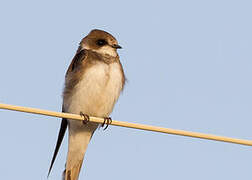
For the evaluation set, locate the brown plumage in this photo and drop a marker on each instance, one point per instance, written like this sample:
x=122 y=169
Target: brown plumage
x=93 y=83
x=80 y=63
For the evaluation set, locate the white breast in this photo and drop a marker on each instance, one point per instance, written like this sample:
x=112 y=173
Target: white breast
x=97 y=91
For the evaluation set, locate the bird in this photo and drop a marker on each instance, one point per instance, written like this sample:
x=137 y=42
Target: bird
x=93 y=83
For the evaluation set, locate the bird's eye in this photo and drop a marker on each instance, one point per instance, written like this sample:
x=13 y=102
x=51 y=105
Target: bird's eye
x=101 y=42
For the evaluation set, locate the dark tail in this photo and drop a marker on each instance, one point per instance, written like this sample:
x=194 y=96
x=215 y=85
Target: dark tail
x=62 y=131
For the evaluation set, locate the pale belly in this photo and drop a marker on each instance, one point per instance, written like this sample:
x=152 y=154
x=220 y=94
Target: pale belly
x=97 y=92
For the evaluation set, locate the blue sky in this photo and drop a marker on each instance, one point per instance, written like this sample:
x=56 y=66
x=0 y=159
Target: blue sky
x=188 y=65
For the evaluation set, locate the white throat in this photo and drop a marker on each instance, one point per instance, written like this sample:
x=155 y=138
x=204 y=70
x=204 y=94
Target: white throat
x=105 y=50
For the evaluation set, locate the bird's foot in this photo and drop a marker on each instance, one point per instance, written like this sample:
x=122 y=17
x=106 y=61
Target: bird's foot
x=85 y=118
x=107 y=121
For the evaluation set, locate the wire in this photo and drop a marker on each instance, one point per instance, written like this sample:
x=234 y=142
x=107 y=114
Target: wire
x=129 y=125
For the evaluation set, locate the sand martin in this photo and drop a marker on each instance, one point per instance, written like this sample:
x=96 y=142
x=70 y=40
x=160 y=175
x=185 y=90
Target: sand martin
x=93 y=83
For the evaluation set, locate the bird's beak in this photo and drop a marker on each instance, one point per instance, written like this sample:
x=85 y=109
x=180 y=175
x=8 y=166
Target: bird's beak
x=116 y=46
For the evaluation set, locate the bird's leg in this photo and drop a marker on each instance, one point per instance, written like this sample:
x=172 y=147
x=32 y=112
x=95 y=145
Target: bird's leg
x=107 y=121
x=85 y=116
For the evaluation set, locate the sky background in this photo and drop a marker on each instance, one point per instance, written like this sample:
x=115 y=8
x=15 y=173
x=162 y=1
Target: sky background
x=188 y=65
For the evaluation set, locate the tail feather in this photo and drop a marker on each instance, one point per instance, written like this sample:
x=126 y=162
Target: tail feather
x=78 y=141
x=73 y=173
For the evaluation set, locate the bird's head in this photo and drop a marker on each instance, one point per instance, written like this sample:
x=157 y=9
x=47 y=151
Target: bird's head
x=100 y=42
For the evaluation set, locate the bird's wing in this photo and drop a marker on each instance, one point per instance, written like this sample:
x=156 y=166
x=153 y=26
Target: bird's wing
x=62 y=131
x=80 y=55
x=73 y=67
